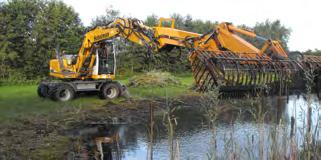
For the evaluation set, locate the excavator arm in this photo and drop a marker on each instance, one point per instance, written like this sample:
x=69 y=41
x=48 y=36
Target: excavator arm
x=273 y=45
x=130 y=29
x=153 y=38
x=226 y=37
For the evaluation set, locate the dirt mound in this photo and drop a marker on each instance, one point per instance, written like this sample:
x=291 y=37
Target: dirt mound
x=154 y=78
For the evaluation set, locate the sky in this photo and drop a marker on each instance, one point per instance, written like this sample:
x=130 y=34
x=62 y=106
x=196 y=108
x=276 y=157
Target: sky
x=302 y=16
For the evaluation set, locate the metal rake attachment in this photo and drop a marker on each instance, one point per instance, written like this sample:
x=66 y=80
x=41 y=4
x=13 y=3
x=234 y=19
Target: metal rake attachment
x=312 y=62
x=313 y=71
x=238 y=73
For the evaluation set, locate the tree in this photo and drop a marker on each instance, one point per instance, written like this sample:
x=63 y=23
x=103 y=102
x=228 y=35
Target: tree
x=202 y=27
x=109 y=16
x=188 y=24
x=151 y=20
x=58 y=27
x=17 y=21
x=316 y=52
x=271 y=30
x=30 y=30
x=179 y=20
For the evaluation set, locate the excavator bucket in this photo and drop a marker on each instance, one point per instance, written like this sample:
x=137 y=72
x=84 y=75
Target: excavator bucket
x=313 y=61
x=237 y=74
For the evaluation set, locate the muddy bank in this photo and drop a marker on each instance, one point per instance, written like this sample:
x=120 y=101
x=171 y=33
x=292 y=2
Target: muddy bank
x=48 y=135
x=62 y=133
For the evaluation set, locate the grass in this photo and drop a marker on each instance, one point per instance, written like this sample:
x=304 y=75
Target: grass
x=25 y=115
x=17 y=100
x=170 y=91
x=22 y=100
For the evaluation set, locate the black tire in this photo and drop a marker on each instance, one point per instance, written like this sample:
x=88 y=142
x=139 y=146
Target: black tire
x=110 y=91
x=62 y=92
x=43 y=90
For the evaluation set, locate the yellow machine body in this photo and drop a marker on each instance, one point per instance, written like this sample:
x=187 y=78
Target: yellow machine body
x=219 y=57
x=225 y=35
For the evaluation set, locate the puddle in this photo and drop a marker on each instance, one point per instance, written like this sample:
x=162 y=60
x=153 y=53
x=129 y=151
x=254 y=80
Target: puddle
x=235 y=131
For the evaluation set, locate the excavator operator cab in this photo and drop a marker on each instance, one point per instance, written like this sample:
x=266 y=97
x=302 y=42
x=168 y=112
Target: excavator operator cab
x=105 y=63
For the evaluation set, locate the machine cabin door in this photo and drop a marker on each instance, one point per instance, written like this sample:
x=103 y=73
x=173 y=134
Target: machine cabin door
x=106 y=59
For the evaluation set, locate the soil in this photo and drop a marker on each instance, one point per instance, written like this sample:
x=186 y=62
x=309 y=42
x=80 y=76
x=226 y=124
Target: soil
x=49 y=135
x=40 y=136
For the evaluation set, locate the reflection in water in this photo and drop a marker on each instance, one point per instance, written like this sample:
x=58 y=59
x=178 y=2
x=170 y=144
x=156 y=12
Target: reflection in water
x=103 y=146
x=237 y=134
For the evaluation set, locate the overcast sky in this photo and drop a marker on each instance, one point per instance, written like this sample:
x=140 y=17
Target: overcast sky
x=303 y=16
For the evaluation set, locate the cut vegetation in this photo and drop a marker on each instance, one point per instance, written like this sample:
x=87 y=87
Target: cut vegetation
x=154 y=79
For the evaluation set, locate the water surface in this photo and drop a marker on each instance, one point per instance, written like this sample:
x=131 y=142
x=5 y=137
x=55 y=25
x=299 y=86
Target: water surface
x=237 y=130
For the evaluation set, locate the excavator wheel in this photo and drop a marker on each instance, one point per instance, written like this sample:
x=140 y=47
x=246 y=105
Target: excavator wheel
x=62 y=92
x=43 y=90
x=110 y=91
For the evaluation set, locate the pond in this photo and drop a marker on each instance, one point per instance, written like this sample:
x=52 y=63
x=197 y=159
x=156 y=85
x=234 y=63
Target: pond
x=277 y=128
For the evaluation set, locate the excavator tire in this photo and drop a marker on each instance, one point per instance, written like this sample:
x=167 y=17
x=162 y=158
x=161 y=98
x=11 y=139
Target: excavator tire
x=110 y=91
x=43 y=90
x=62 y=92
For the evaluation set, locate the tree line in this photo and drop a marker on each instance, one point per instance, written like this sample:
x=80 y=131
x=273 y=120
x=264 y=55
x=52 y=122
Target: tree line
x=31 y=31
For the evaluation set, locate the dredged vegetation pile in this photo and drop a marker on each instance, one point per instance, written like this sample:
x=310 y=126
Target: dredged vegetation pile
x=154 y=79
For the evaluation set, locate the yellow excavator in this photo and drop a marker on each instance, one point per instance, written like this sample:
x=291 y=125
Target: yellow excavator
x=220 y=57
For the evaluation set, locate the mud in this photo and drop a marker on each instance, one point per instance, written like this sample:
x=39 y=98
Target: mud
x=79 y=133
x=48 y=135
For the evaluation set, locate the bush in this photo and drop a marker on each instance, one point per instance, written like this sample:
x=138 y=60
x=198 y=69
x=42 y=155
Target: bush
x=154 y=78
x=18 y=78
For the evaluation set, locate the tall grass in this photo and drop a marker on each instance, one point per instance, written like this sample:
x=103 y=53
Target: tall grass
x=271 y=140
x=170 y=122
x=277 y=140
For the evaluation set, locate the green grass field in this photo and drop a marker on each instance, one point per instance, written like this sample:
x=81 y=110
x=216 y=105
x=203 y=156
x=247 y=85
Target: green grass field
x=23 y=100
